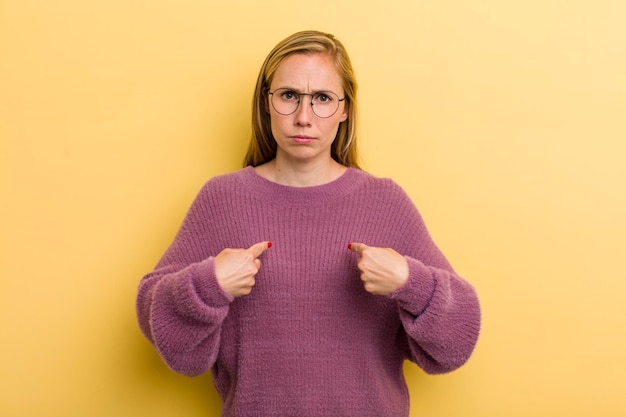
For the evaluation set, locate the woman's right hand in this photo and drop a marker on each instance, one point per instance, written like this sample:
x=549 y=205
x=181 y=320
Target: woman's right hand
x=235 y=269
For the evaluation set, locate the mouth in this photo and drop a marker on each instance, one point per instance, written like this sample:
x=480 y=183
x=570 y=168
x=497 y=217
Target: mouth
x=302 y=138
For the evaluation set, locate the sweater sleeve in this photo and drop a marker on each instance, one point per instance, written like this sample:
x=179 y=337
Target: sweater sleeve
x=439 y=310
x=180 y=305
x=441 y=316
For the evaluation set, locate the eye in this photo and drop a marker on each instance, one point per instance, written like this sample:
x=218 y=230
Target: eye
x=323 y=98
x=289 y=95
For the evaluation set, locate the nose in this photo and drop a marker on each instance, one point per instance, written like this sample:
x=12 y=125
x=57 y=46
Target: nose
x=304 y=112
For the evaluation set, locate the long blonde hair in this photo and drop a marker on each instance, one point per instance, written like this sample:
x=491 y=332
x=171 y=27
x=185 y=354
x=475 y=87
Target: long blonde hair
x=262 y=147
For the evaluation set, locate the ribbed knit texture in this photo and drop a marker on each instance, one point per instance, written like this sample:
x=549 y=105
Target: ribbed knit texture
x=308 y=340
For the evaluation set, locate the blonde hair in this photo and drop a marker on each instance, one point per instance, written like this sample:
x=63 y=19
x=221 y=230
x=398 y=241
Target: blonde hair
x=262 y=147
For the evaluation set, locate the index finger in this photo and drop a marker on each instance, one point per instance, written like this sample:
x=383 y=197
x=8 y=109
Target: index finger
x=357 y=247
x=258 y=248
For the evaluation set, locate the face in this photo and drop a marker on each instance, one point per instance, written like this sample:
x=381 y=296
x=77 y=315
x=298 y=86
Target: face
x=303 y=136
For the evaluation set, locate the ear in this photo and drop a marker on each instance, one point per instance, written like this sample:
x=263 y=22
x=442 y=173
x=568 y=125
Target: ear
x=345 y=113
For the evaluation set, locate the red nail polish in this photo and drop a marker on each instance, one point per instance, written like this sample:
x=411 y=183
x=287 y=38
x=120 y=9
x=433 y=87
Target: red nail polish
x=349 y=245
x=269 y=244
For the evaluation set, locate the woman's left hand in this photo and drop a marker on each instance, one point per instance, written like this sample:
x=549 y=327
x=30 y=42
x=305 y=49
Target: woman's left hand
x=383 y=270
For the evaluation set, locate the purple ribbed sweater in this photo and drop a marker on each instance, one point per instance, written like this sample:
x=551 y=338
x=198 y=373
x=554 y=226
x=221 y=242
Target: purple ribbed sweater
x=308 y=340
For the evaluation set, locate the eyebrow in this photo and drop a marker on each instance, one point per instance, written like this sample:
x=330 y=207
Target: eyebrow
x=295 y=90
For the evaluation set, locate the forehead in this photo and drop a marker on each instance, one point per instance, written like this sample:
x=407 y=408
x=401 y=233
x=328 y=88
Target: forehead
x=308 y=72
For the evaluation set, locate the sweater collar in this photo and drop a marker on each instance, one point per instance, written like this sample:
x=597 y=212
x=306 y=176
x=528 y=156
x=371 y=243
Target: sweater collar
x=318 y=194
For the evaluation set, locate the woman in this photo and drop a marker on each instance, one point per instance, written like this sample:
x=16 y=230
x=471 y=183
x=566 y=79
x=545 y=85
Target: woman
x=304 y=326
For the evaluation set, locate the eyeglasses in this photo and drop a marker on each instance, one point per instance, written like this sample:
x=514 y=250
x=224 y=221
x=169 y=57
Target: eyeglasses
x=323 y=103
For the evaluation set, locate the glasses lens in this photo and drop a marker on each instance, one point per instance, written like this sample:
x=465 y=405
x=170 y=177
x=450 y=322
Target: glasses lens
x=323 y=103
x=285 y=101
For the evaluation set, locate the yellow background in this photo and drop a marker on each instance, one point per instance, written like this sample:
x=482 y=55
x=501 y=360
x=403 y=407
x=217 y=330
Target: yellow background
x=504 y=120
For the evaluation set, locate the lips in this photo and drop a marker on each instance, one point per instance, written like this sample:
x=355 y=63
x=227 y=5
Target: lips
x=302 y=139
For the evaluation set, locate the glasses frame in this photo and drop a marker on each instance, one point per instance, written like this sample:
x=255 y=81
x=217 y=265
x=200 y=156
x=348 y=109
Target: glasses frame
x=339 y=100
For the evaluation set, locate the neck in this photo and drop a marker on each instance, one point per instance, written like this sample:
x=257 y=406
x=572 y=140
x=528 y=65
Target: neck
x=301 y=175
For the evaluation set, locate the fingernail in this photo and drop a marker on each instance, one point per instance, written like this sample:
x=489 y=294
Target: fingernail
x=349 y=245
x=269 y=245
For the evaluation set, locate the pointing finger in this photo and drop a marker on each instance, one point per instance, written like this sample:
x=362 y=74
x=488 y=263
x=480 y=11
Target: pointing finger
x=257 y=249
x=357 y=247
